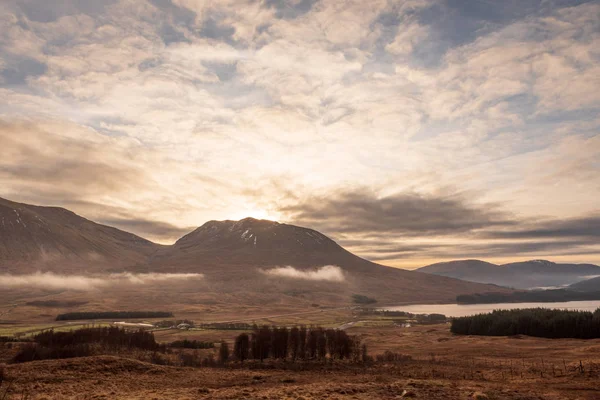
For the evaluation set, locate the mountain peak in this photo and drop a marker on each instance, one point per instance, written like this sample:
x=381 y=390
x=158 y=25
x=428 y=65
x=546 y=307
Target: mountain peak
x=252 y=233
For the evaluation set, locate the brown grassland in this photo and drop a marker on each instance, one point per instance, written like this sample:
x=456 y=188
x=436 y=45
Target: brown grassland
x=442 y=366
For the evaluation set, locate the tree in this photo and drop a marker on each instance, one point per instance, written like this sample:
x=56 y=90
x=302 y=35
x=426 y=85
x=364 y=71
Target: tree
x=311 y=345
x=321 y=344
x=302 y=343
x=241 y=347
x=224 y=353
x=294 y=342
x=263 y=342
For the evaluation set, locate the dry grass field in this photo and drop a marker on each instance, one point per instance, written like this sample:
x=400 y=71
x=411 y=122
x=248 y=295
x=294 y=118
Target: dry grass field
x=443 y=366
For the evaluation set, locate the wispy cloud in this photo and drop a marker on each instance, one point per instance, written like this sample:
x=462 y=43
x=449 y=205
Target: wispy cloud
x=163 y=114
x=84 y=283
x=409 y=214
x=330 y=273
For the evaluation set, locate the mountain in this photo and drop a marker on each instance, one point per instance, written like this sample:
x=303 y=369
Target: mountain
x=237 y=259
x=243 y=252
x=589 y=285
x=471 y=270
x=260 y=243
x=521 y=275
x=34 y=236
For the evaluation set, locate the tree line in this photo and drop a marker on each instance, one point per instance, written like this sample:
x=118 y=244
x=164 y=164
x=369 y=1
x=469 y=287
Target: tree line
x=540 y=322
x=112 y=315
x=84 y=342
x=422 y=318
x=191 y=344
x=234 y=326
x=173 y=323
x=538 y=296
x=297 y=343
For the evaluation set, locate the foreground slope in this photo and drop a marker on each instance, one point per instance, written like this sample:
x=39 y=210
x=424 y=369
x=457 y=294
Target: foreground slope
x=522 y=275
x=495 y=367
x=34 y=237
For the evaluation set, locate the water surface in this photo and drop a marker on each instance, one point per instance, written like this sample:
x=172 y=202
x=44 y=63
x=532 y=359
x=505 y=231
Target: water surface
x=461 y=310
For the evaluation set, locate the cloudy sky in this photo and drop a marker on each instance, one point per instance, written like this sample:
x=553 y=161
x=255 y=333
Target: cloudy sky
x=409 y=131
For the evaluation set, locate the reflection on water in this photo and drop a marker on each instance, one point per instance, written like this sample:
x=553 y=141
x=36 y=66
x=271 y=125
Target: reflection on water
x=461 y=310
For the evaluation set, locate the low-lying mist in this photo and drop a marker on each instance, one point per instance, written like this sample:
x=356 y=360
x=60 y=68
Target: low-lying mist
x=330 y=273
x=48 y=280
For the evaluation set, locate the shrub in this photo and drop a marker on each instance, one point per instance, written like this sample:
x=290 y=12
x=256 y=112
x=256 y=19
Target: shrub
x=191 y=344
x=35 y=352
x=360 y=299
x=190 y=359
x=390 y=356
x=113 y=315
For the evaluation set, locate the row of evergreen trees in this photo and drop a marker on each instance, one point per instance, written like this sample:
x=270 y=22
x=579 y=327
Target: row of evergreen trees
x=191 y=344
x=84 y=342
x=540 y=322
x=298 y=343
x=112 y=336
x=113 y=315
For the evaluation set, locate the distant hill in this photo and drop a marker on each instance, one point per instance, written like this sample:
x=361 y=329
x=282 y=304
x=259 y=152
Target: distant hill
x=521 y=275
x=33 y=236
x=237 y=259
x=471 y=270
x=589 y=285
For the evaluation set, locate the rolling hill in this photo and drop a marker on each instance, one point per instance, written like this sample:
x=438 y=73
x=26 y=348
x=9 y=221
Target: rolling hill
x=521 y=275
x=589 y=285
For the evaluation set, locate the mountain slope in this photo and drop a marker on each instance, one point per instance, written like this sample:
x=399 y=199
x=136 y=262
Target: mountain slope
x=237 y=259
x=257 y=242
x=237 y=253
x=471 y=270
x=522 y=275
x=32 y=235
x=589 y=285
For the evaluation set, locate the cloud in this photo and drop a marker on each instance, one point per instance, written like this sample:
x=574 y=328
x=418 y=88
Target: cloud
x=214 y=29
x=85 y=283
x=583 y=227
x=66 y=154
x=289 y=10
x=141 y=279
x=330 y=273
x=161 y=114
x=16 y=73
x=52 y=10
x=157 y=230
x=361 y=211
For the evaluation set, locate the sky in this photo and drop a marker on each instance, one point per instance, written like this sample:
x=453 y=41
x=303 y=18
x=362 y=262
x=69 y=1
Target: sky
x=410 y=131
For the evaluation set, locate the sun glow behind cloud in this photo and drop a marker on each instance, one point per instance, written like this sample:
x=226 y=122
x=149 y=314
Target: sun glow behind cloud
x=157 y=116
x=256 y=213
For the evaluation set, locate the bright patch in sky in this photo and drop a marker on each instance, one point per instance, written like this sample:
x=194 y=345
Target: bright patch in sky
x=409 y=131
